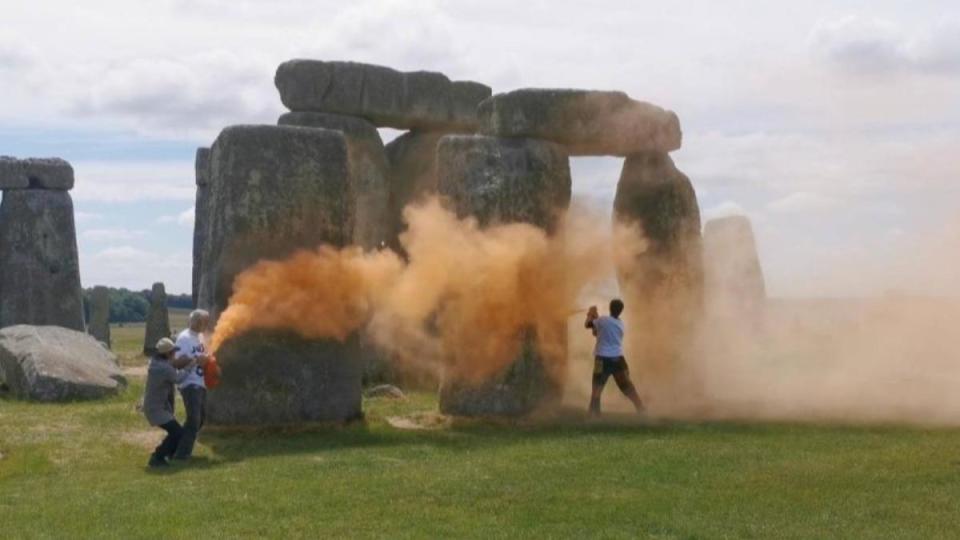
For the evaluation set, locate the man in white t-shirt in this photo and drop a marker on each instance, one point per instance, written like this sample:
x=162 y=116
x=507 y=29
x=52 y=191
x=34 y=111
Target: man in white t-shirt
x=192 y=346
x=608 y=356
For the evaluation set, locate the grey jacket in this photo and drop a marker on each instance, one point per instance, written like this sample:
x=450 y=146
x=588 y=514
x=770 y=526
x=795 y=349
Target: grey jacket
x=158 y=395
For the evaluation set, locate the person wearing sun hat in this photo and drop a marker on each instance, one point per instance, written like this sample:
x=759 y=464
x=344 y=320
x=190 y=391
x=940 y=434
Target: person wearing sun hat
x=162 y=376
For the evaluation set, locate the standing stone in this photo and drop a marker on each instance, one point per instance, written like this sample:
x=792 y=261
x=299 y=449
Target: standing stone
x=39 y=268
x=202 y=171
x=586 y=122
x=99 y=326
x=506 y=181
x=662 y=285
x=275 y=190
x=734 y=279
x=158 y=319
x=413 y=176
x=368 y=170
x=383 y=96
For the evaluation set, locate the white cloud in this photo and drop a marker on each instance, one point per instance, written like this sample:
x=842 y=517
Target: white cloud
x=125 y=181
x=872 y=46
x=802 y=202
x=723 y=209
x=184 y=219
x=85 y=217
x=111 y=235
x=136 y=268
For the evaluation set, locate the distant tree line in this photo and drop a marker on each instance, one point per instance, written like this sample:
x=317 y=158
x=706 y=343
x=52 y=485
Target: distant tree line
x=132 y=306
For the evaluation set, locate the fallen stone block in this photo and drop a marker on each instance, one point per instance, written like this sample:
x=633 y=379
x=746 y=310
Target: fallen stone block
x=49 y=363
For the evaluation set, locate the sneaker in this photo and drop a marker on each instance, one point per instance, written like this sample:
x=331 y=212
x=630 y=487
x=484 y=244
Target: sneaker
x=157 y=462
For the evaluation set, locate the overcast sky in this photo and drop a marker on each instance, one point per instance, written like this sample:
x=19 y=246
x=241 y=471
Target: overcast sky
x=834 y=125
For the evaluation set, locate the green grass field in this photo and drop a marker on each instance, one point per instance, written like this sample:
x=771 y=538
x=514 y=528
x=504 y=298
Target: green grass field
x=78 y=470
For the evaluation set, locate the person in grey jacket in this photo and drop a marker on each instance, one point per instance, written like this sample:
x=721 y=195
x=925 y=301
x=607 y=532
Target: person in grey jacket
x=162 y=376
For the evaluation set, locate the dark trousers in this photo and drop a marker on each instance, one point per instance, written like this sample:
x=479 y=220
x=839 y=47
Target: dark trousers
x=195 y=402
x=169 y=444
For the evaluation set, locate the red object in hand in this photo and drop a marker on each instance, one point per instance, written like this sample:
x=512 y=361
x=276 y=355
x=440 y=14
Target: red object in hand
x=211 y=373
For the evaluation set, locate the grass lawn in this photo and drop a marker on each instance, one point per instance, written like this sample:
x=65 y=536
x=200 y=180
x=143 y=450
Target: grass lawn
x=78 y=470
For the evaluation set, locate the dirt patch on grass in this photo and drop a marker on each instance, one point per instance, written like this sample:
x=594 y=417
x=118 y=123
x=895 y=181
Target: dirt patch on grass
x=430 y=420
x=135 y=371
x=146 y=439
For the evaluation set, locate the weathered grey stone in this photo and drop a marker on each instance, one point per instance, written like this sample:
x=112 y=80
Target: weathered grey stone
x=733 y=276
x=662 y=286
x=499 y=180
x=275 y=190
x=99 y=324
x=202 y=168
x=413 y=175
x=522 y=388
x=277 y=378
x=39 y=269
x=504 y=181
x=49 y=363
x=158 y=319
x=35 y=173
x=586 y=122
x=368 y=170
x=13 y=175
x=384 y=96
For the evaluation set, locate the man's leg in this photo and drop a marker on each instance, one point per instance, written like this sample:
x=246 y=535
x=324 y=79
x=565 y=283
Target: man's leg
x=599 y=381
x=625 y=385
x=193 y=401
x=170 y=442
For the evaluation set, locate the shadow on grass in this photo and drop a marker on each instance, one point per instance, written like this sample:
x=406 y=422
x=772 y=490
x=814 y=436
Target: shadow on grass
x=231 y=445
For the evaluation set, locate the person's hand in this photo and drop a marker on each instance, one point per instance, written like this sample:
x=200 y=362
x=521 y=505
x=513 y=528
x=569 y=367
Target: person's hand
x=202 y=359
x=592 y=313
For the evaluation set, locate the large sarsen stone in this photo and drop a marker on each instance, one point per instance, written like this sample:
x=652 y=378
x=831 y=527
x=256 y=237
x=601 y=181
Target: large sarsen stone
x=277 y=378
x=506 y=181
x=99 y=324
x=384 y=96
x=273 y=190
x=734 y=278
x=202 y=172
x=35 y=173
x=368 y=171
x=49 y=363
x=39 y=268
x=586 y=122
x=662 y=286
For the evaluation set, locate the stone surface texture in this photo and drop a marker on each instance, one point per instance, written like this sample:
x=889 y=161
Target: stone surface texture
x=277 y=378
x=275 y=190
x=35 y=173
x=369 y=171
x=158 y=319
x=586 y=122
x=39 y=267
x=381 y=95
x=413 y=176
x=99 y=324
x=504 y=181
x=49 y=363
x=662 y=286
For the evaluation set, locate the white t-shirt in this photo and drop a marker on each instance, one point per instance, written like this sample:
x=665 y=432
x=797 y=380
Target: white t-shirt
x=191 y=345
x=609 y=337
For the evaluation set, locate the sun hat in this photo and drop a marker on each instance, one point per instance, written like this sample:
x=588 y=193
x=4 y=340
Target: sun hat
x=166 y=345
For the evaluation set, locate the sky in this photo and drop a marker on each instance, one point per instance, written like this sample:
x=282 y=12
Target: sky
x=833 y=125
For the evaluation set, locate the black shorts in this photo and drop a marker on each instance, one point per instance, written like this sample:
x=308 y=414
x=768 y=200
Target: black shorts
x=605 y=366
